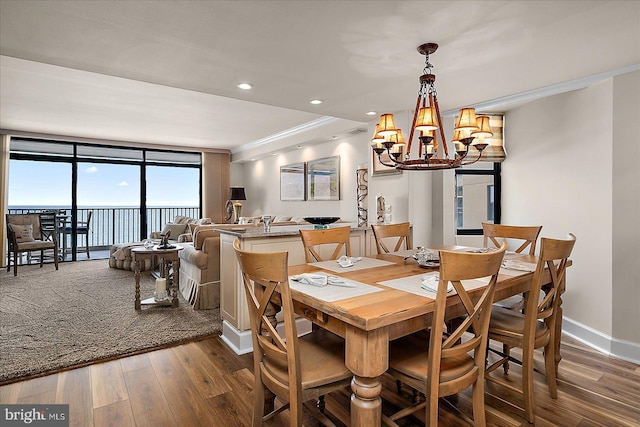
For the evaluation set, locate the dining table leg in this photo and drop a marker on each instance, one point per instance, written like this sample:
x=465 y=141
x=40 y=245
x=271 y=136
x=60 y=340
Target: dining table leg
x=367 y=356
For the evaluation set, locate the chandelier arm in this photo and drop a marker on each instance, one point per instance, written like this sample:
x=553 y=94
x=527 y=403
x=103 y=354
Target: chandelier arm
x=413 y=124
x=439 y=116
x=389 y=165
x=472 y=162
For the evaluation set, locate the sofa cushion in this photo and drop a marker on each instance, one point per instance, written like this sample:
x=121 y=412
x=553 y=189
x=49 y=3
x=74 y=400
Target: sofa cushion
x=180 y=219
x=175 y=229
x=280 y=218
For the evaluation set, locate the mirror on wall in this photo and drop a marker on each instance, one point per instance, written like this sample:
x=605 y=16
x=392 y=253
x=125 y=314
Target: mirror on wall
x=323 y=179
x=292 y=182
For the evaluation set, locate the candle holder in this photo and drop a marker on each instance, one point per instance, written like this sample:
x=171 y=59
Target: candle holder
x=160 y=296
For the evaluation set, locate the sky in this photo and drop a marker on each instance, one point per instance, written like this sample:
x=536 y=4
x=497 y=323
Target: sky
x=49 y=184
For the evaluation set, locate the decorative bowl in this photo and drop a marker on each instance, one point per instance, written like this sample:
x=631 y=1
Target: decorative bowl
x=321 y=220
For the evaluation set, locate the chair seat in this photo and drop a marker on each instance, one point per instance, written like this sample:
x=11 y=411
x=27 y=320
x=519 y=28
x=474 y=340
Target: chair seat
x=321 y=360
x=36 y=244
x=503 y=319
x=408 y=356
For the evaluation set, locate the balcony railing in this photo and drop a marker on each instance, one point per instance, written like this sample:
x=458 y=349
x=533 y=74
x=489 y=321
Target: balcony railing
x=109 y=226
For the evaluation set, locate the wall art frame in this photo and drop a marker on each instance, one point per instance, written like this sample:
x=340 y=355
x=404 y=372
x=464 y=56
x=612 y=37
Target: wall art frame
x=293 y=182
x=323 y=179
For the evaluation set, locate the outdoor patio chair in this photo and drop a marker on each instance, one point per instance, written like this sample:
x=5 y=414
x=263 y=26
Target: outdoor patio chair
x=24 y=235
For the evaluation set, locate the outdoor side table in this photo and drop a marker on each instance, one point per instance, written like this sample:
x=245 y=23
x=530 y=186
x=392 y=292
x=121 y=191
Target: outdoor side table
x=169 y=262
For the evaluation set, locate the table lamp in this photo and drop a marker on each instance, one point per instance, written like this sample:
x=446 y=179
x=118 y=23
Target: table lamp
x=235 y=195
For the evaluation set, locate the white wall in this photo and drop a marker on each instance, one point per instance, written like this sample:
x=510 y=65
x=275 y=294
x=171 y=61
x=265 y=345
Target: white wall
x=626 y=208
x=558 y=174
x=261 y=180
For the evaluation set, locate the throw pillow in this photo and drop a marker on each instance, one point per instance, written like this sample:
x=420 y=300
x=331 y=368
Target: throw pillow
x=280 y=218
x=24 y=233
x=175 y=229
x=203 y=221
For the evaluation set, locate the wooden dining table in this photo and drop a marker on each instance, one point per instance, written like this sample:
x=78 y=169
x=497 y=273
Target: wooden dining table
x=369 y=321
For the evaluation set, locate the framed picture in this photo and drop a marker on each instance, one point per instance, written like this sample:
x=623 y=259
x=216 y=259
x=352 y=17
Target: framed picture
x=323 y=179
x=379 y=169
x=292 y=182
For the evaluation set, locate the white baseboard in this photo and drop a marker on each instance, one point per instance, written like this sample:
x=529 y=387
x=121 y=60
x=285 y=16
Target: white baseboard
x=240 y=341
x=622 y=349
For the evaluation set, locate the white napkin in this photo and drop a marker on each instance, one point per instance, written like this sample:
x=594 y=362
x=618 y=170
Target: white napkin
x=514 y=265
x=322 y=280
x=345 y=261
x=311 y=279
x=430 y=283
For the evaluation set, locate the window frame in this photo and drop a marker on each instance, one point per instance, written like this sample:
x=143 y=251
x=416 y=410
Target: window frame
x=32 y=154
x=497 y=207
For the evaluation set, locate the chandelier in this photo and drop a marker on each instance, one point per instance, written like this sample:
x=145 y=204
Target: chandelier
x=469 y=131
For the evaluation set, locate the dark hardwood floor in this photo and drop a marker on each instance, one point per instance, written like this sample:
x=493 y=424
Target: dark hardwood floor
x=204 y=383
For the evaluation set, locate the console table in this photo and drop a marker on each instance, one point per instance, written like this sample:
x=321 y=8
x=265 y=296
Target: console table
x=169 y=269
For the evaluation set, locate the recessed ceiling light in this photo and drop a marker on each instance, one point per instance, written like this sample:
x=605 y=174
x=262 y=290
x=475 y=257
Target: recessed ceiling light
x=316 y=101
x=245 y=86
x=371 y=113
x=299 y=146
x=273 y=154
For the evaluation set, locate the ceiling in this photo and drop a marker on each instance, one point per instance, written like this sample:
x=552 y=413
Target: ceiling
x=165 y=72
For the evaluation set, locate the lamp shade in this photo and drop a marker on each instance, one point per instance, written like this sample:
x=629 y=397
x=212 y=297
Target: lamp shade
x=376 y=137
x=467 y=119
x=484 y=129
x=237 y=193
x=387 y=126
x=427 y=119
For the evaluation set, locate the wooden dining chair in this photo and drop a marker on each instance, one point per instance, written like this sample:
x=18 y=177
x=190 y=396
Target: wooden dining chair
x=383 y=231
x=495 y=234
x=313 y=239
x=536 y=328
x=441 y=365
x=524 y=236
x=294 y=370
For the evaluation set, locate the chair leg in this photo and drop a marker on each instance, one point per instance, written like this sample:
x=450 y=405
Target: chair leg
x=527 y=383
x=55 y=256
x=432 y=411
x=15 y=263
x=86 y=245
x=258 y=405
x=41 y=257
x=550 y=368
x=479 y=419
x=506 y=349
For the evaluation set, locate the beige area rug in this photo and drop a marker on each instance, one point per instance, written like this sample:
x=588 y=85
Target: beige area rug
x=82 y=313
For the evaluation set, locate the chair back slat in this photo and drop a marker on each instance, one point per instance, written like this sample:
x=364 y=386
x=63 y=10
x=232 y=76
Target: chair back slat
x=402 y=231
x=496 y=233
x=313 y=239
